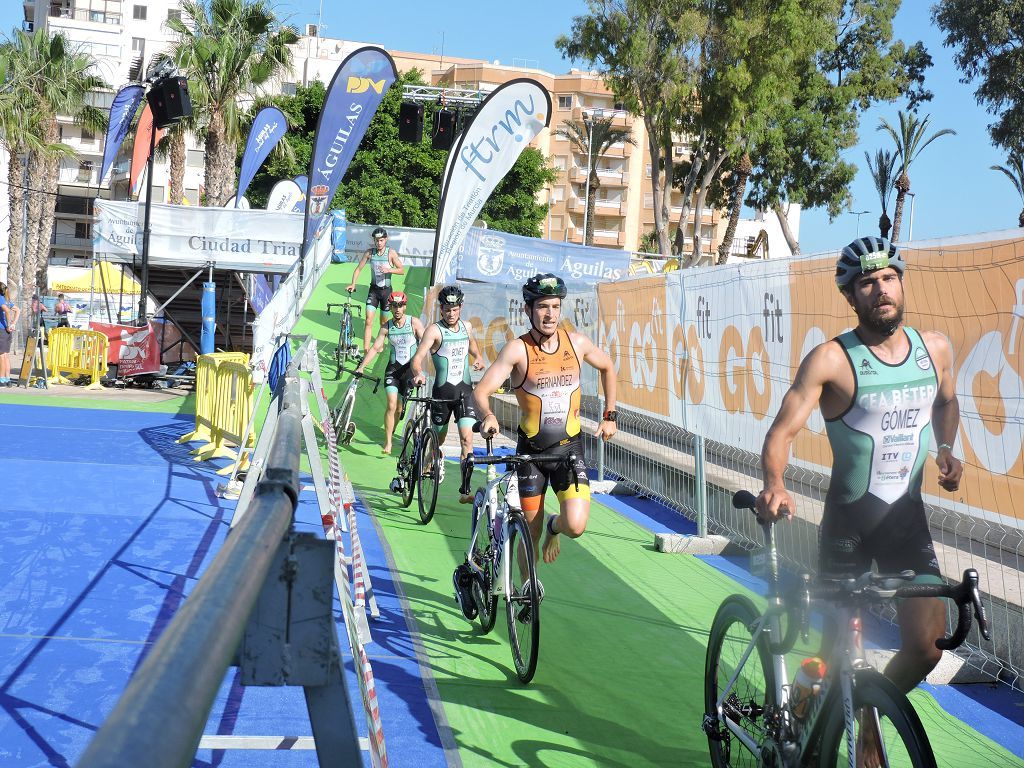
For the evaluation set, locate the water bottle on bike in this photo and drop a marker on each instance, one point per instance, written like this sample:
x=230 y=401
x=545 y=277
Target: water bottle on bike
x=806 y=686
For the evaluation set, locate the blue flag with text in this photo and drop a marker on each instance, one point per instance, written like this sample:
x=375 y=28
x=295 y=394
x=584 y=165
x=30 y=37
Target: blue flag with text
x=267 y=129
x=122 y=112
x=352 y=98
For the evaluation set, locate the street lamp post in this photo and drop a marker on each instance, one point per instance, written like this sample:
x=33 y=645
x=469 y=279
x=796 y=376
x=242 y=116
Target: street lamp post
x=858 y=214
x=910 y=228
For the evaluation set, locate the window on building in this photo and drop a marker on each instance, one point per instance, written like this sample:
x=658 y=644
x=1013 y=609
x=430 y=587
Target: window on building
x=565 y=102
x=557 y=223
x=83 y=230
x=85 y=171
x=159 y=194
x=649 y=200
x=289 y=89
x=88 y=135
x=647 y=170
x=557 y=194
x=139 y=12
x=678 y=150
x=192 y=195
x=561 y=162
x=174 y=15
x=138 y=45
x=195 y=158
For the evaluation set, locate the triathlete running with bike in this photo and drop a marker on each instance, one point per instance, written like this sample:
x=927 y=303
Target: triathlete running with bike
x=885 y=390
x=452 y=348
x=384 y=263
x=402 y=333
x=545 y=369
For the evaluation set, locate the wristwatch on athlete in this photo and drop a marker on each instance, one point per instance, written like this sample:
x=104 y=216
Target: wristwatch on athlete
x=610 y=416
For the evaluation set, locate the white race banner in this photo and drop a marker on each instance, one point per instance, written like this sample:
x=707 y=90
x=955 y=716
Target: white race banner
x=284 y=196
x=187 y=236
x=507 y=121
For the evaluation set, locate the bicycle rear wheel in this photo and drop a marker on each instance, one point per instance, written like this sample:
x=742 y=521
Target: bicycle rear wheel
x=751 y=697
x=522 y=607
x=483 y=583
x=428 y=474
x=407 y=463
x=903 y=738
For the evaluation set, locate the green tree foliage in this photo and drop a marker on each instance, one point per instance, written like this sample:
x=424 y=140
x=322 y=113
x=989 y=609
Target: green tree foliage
x=986 y=35
x=394 y=182
x=47 y=77
x=1014 y=171
x=779 y=81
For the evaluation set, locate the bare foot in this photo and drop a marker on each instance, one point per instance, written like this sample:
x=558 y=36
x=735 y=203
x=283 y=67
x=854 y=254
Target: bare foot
x=551 y=547
x=386 y=450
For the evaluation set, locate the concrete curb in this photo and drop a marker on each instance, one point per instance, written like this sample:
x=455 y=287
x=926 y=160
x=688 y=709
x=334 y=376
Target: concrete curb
x=682 y=544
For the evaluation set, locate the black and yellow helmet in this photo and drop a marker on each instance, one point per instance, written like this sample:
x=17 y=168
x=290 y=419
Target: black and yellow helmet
x=544 y=286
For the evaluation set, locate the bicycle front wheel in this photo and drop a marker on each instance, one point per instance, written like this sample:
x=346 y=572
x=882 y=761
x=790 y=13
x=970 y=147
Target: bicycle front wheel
x=522 y=605
x=903 y=742
x=483 y=583
x=428 y=474
x=751 y=698
x=407 y=464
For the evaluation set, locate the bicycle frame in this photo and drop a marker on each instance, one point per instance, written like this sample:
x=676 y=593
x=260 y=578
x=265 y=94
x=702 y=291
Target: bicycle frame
x=500 y=554
x=795 y=740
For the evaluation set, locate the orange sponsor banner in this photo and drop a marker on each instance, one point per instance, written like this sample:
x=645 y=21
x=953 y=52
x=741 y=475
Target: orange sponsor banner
x=633 y=328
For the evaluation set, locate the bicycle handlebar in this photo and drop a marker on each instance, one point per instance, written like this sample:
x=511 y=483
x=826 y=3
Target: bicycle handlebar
x=358 y=375
x=875 y=587
x=356 y=307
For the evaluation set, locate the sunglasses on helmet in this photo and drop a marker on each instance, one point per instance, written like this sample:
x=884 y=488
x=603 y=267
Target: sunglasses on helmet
x=548 y=286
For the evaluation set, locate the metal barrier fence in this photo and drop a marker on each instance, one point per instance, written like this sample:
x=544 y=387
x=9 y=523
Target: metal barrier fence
x=159 y=719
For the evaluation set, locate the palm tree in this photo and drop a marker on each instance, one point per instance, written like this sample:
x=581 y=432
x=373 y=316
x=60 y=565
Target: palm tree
x=227 y=49
x=744 y=167
x=910 y=140
x=1014 y=171
x=55 y=81
x=881 y=173
x=592 y=139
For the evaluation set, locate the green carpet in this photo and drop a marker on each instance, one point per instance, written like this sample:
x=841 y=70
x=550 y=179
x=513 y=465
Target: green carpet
x=623 y=634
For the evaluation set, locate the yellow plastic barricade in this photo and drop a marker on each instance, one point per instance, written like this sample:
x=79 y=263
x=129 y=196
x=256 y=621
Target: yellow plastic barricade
x=76 y=352
x=206 y=374
x=232 y=407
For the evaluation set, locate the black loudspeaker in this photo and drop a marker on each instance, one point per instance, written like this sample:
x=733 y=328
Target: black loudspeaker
x=169 y=100
x=444 y=129
x=410 y=122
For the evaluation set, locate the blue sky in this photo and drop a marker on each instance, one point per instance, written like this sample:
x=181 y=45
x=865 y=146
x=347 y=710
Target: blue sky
x=956 y=192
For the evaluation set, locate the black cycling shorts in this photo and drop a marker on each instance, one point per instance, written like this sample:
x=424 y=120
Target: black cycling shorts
x=895 y=536
x=398 y=377
x=464 y=411
x=377 y=297
x=567 y=481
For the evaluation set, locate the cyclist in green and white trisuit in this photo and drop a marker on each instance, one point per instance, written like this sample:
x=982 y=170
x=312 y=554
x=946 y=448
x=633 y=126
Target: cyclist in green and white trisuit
x=384 y=263
x=885 y=391
x=453 y=350
x=402 y=332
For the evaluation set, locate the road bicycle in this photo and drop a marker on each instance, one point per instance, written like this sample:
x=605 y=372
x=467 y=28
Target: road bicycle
x=753 y=716
x=346 y=349
x=341 y=418
x=420 y=464
x=499 y=531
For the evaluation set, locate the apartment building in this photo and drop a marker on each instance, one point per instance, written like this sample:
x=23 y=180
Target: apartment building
x=122 y=36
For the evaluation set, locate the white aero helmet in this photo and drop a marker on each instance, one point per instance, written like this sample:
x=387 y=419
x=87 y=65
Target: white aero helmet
x=864 y=255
